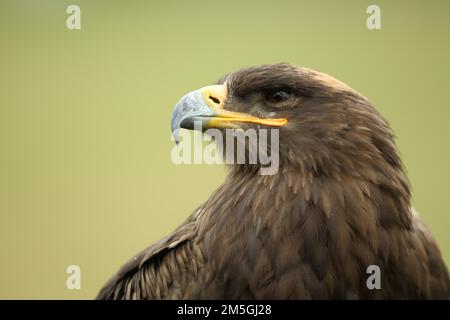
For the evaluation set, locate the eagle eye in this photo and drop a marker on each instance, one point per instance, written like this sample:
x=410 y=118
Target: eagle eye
x=277 y=96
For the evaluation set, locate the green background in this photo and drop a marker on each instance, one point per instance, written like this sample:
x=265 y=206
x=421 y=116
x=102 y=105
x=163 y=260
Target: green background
x=85 y=170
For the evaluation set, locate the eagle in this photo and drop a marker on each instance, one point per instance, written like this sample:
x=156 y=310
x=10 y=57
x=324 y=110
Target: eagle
x=338 y=205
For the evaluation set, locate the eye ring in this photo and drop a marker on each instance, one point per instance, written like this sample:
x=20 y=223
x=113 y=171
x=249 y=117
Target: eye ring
x=277 y=96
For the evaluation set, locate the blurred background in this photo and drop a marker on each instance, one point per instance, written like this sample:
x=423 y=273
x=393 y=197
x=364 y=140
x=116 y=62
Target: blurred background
x=85 y=171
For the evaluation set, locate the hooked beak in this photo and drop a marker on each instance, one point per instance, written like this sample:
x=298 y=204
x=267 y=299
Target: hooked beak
x=205 y=108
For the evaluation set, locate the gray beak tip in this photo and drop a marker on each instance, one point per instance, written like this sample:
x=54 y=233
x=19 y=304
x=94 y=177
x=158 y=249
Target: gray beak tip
x=189 y=106
x=175 y=135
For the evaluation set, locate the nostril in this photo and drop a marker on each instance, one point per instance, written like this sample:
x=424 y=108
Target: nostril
x=214 y=99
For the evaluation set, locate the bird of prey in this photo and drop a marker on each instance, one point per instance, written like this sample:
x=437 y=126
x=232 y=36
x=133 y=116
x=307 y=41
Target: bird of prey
x=339 y=203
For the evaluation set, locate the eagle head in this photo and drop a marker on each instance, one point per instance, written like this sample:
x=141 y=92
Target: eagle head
x=324 y=126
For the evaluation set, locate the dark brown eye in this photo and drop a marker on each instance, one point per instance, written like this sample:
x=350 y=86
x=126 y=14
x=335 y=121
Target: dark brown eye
x=278 y=96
